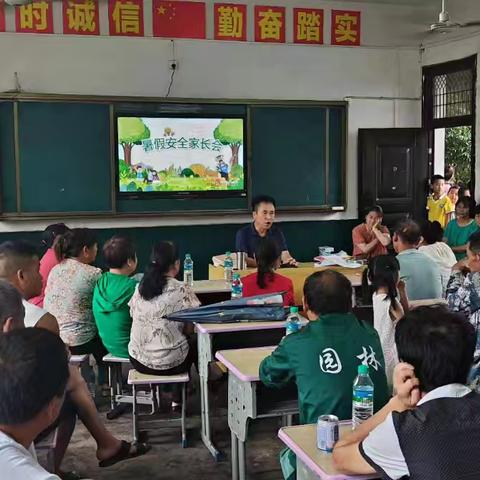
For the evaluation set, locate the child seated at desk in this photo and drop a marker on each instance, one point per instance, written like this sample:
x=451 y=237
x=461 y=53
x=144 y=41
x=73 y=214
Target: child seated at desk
x=265 y=279
x=113 y=291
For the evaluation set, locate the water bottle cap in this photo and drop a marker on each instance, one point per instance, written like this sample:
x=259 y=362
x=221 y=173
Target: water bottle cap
x=228 y=254
x=363 y=369
x=293 y=309
x=236 y=276
x=187 y=255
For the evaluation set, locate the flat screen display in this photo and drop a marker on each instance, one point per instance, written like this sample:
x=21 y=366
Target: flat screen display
x=173 y=155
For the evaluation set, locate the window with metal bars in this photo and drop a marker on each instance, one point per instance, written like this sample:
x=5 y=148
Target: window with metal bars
x=449 y=93
x=452 y=94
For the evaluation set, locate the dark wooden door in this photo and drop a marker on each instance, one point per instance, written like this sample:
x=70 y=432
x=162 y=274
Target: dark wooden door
x=393 y=172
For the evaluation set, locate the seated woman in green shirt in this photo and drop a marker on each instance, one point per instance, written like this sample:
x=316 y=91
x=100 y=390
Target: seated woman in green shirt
x=458 y=231
x=112 y=294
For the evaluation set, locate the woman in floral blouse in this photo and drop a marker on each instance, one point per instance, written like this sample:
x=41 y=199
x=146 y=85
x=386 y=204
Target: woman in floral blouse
x=157 y=345
x=69 y=292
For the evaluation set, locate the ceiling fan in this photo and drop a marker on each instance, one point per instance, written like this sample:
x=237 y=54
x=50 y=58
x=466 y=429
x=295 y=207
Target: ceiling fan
x=445 y=25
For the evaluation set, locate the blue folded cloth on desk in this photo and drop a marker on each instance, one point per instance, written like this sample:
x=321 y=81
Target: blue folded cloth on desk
x=252 y=309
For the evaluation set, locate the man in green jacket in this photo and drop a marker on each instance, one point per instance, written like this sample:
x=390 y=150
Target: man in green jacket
x=323 y=358
x=113 y=291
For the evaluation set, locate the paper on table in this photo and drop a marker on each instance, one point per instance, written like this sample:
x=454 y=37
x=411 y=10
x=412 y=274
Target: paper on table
x=336 y=260
x=218 y=260
x=326 y=256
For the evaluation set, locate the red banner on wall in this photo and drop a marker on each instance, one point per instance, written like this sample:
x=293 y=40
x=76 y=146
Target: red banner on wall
x=2 y=17
x=269 y=24
x=346 y=27
x=125 y=17
x=178 y=19
x=80 y=17
x=36 y=17
x=230 y=21
x=308 y=25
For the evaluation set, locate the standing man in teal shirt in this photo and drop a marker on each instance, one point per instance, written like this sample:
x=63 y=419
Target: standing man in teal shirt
x=323 y=358
x=422 y=276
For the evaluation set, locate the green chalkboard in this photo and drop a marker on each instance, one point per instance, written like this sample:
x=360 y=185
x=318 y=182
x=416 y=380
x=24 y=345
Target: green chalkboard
x=63 y=156
x=8 y=202
x=297 y=154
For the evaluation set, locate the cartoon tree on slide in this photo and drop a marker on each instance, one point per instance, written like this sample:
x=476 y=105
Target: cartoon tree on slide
x=230 y=132
x=131 y=131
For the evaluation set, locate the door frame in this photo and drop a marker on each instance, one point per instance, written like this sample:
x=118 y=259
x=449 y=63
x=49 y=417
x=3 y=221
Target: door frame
x=430 y=124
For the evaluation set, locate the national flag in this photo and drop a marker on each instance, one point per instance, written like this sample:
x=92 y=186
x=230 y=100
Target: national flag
x=179 y=19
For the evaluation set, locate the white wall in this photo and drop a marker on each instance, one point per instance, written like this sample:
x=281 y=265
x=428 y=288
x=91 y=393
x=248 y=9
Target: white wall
x=209 y=69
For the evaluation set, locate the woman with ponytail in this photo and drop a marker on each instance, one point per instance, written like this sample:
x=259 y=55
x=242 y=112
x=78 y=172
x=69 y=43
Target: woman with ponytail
x=69 y=292
x=265 y=279
x=49 y=259
x=158 y=346
x=389 y=304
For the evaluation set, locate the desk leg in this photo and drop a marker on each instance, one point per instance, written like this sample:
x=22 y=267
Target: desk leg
x=234 y=455
x=241 y=408
x=241 y=460
x=205 y=356
x=303 y=472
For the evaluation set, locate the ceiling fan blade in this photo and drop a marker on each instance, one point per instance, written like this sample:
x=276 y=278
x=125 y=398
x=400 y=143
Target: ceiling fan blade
x=475 y=23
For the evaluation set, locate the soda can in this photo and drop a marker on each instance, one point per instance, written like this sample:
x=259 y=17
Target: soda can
x=327 y=432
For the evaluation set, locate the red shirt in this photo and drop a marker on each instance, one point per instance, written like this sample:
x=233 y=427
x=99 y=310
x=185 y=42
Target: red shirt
x=360 y=234
x=48 y=261
x=278 y=283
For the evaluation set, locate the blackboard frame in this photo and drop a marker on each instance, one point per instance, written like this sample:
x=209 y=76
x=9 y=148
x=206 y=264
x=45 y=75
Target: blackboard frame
x=115 y=100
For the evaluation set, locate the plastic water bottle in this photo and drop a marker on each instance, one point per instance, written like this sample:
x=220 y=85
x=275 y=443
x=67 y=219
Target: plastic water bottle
x=237 y=286
x=362 y=405
x=228 y=268
x=293 y=321
x=188 y=270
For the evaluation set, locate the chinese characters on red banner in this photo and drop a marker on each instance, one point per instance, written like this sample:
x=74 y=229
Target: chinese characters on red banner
x=308 y=25
x=80 y=17
x=178 y=19
x=345 y=28
x=230 y=21
x=270 y=24
x=36 y=17
x=187 y=19
x=125 y=17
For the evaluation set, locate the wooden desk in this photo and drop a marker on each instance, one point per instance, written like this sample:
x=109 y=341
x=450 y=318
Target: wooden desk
x=205 y=337
x=427 y=303
x=313 y=463
x=243 y=377
x=211 y=291
x=297 y=275
x=211 y=286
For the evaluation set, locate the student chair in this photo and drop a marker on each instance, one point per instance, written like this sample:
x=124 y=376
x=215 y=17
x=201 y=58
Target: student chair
x=136 y=379
x=114 y=365
x=45 y=450
x=78 y=360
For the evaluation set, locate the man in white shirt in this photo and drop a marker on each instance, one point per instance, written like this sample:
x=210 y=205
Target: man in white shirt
x=20 y=266
x=431 y=428
x=39 y=358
